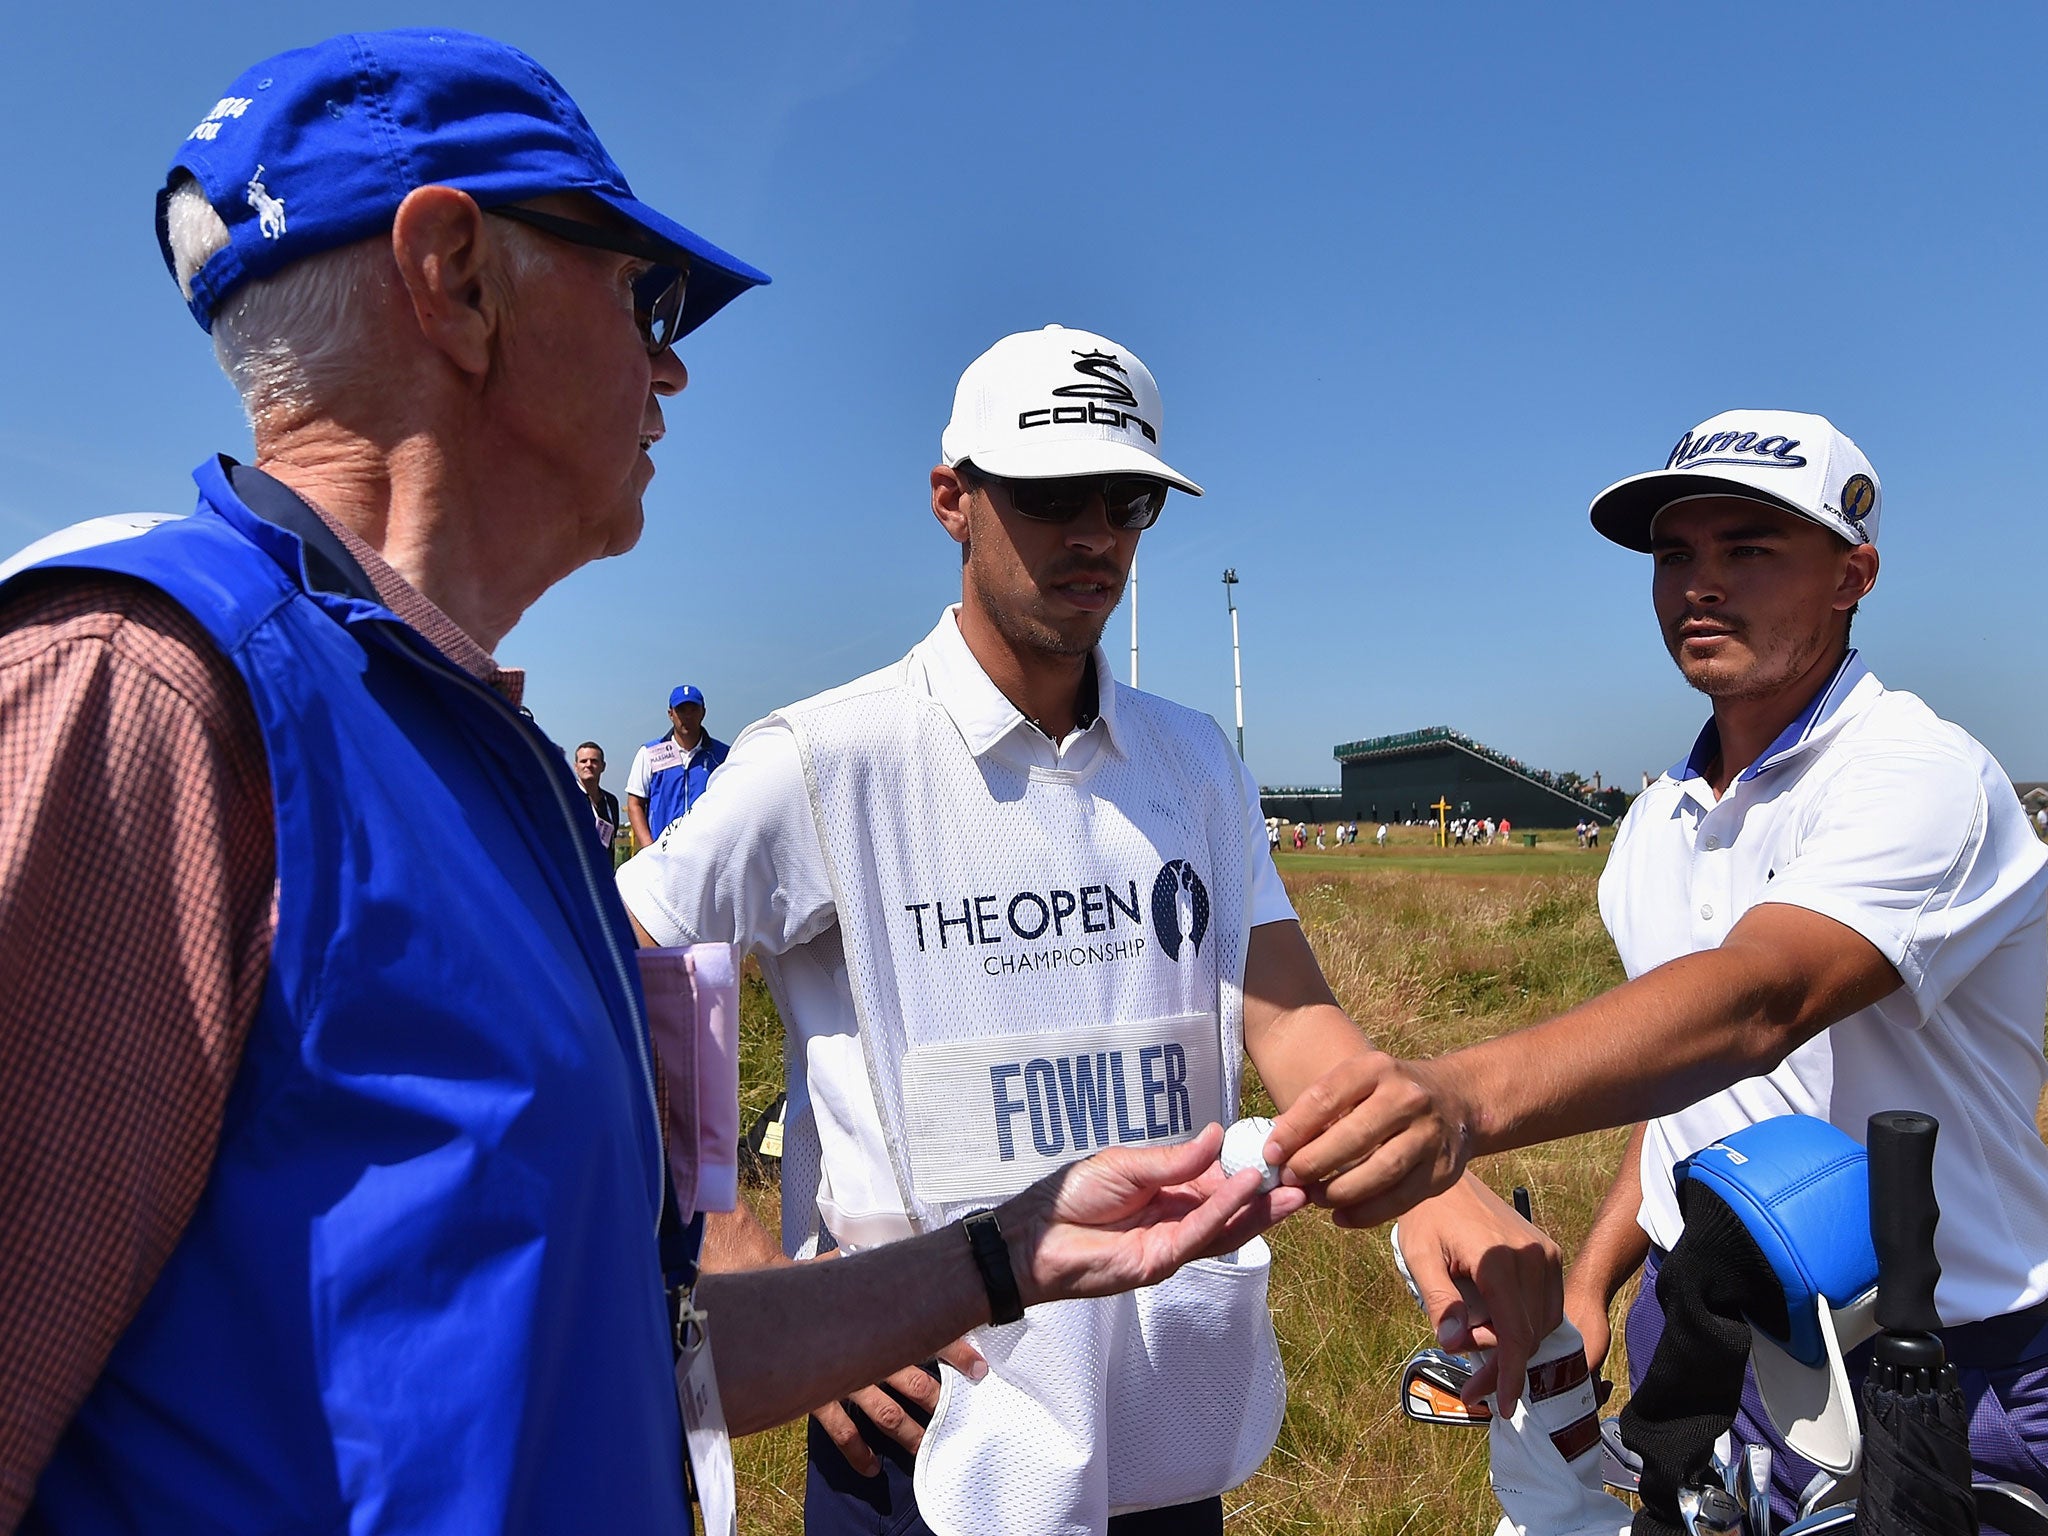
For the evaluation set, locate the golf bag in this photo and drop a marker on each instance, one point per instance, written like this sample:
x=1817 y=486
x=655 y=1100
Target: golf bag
x=1775 y=1268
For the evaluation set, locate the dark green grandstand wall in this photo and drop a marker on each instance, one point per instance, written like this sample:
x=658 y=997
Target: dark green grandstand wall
x=1406 y=785
x=1295 y=805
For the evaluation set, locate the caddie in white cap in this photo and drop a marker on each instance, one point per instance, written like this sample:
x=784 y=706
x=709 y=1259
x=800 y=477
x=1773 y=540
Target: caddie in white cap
x=1013 y=912
x=1831 y=905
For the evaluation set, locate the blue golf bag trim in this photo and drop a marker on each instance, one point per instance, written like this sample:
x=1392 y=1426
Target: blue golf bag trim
x=1802 y=1189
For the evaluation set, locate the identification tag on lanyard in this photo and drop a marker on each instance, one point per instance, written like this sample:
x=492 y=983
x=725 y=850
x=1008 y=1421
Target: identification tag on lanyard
x=704 y=1423
x=667 y=755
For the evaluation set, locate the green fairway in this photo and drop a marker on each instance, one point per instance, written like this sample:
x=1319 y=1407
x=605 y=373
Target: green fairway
x=1555 y=859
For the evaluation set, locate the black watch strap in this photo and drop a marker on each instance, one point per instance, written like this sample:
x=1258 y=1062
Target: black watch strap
x=992 y=1258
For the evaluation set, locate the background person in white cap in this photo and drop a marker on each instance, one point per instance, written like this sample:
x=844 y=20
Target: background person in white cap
x=1011 y=912
x=1830 y=906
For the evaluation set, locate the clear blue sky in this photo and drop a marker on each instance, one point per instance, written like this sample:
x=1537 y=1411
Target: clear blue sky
x=1416 y=282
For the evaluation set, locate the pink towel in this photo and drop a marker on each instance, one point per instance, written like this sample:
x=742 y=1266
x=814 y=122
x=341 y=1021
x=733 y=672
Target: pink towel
x=693 y=1011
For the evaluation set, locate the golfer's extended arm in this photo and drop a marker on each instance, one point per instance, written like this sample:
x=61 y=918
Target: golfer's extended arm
x=1689 y=1028
x=1294 y=1029
x=789 y=1338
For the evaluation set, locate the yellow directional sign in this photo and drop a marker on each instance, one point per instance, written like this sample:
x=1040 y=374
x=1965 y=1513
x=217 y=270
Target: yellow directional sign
x=1443 y=834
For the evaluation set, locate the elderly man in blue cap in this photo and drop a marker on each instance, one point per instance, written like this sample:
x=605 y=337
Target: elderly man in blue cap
x=670 y=772
x=334 y=1193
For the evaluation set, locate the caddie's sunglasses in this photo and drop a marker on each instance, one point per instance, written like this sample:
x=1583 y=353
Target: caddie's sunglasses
x=657 y=294
x=1131 y=502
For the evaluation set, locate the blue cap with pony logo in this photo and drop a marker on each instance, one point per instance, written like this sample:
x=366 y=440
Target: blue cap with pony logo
x=316 y=148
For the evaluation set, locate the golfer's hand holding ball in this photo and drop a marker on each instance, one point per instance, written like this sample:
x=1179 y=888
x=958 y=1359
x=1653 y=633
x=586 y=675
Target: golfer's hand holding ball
x=1373 y=1137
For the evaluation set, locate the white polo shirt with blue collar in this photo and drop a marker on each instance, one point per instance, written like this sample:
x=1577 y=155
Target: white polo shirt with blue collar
x=1872 y=810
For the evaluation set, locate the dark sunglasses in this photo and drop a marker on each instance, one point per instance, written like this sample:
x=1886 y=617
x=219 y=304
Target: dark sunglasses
x=657 y=294
x=1131 y=502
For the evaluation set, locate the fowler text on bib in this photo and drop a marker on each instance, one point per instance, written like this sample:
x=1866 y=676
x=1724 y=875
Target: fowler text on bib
x=988 y=1117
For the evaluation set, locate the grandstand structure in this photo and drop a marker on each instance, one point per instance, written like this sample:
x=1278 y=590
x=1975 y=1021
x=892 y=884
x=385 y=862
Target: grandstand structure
x=1403 y=777
x=1311 y=803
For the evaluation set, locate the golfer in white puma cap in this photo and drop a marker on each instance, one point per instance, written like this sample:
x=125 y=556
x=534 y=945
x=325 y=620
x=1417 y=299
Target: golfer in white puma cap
x=1831 y=905
x=1012 y=912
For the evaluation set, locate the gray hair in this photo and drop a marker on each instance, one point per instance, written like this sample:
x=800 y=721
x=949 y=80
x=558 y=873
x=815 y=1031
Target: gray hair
x=295 y=341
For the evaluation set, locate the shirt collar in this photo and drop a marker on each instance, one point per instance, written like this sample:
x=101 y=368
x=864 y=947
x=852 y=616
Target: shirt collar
x=1848 y=689
x=977 y=706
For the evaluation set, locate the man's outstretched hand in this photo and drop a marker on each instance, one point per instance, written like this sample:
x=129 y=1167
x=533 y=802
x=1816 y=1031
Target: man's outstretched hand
x=1129 y=1217
x=1373 y=1137
x=1488 y=1280
x=793 y=1336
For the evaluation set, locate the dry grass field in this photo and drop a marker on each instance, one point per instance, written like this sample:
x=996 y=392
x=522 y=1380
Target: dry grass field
x=1428 y=950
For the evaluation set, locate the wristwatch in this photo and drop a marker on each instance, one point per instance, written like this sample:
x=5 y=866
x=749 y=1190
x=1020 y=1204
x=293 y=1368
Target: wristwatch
x=992 y=1258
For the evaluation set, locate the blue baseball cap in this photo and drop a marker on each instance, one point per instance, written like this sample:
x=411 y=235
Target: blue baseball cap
x=688 y=693
x=316 y=148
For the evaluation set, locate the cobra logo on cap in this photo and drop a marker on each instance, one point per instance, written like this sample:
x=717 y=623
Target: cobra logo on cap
x=1109 y=376
x=1110 y=400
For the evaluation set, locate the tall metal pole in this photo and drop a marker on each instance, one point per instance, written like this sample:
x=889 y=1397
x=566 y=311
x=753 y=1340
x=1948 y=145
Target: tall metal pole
x=1236 y=663
x=1133 y=589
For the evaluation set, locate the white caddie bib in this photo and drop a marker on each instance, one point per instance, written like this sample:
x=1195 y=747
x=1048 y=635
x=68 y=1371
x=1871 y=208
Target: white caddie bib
x=1046 y=963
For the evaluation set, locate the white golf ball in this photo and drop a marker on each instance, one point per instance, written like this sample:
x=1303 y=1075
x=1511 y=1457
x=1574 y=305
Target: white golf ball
x=1244 y=1146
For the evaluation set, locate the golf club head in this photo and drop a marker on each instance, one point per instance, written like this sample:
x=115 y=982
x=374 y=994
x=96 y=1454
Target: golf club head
x=1824 y=1491
x=1840 y=1518
x=1710 y=1510
x=1620 y=1468
x=1726 y=1454
x=1754 y=1475
x=2011 y=1508
x=1430 y=1384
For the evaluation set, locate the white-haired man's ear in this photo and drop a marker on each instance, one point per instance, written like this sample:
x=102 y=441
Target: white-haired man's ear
x=295 y=342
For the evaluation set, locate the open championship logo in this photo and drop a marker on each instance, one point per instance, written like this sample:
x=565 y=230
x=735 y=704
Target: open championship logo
x=1180 y=908
x=1097 y=923
x=1859 y=495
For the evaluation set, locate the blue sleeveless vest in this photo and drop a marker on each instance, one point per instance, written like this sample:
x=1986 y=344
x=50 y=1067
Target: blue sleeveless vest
x=672 y=791
x=421 y=1292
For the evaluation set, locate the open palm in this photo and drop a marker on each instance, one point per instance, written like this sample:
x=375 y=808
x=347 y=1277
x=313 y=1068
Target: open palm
x=1129 y=1217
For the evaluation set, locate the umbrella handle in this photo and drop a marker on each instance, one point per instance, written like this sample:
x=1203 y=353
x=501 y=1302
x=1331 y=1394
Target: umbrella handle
x=1903 y=1217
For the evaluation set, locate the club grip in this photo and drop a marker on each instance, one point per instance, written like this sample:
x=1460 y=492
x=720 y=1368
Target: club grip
x=1903 y=1216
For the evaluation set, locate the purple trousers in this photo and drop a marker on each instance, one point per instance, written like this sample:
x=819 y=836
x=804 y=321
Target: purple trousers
x=2002 y=1365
